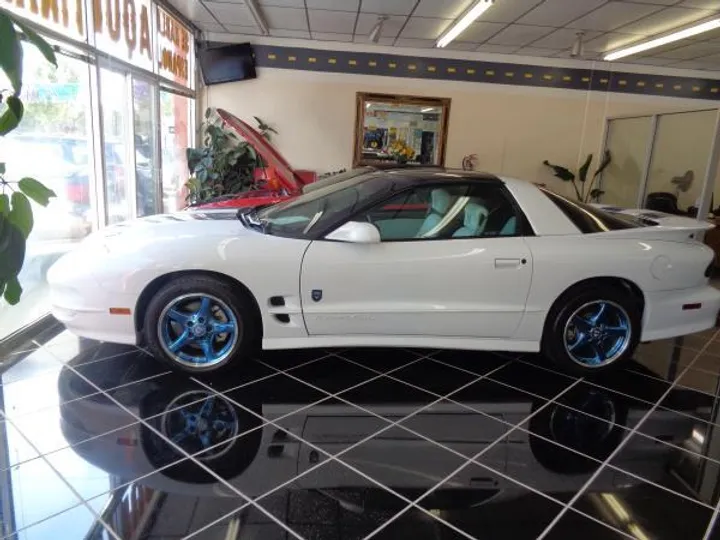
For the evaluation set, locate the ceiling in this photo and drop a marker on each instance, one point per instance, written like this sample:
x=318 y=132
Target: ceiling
x=542 y=28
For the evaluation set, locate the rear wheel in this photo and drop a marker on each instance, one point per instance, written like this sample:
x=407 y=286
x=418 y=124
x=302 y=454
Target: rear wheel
x=200 y=324
x=593 y=328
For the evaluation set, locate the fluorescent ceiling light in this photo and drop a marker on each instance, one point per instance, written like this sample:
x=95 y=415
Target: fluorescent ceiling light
x=466 y=20
x=658 y=42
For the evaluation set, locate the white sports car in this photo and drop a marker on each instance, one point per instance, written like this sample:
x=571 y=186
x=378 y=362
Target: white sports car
x=405 y=257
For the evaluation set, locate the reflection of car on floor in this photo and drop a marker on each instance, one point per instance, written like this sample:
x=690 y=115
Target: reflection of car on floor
x=428 y=258
x=265 y=434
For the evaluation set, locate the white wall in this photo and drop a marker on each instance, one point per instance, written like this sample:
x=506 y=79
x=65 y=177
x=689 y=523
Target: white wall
x=511 y=129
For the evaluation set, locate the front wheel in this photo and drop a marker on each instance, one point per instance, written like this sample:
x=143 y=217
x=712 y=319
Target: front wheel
x=199 y=324
x=592 y=329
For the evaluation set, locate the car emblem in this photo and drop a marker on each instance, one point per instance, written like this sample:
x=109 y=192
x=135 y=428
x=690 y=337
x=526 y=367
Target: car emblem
x=316 y=295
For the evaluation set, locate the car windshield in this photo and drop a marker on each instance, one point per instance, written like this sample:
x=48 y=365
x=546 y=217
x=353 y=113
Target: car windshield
x=314 y=210
x=335 y=178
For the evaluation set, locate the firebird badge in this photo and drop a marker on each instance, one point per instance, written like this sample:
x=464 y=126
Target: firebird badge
x=316 y=295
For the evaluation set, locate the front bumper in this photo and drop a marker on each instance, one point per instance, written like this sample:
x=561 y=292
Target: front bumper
x=665 y=317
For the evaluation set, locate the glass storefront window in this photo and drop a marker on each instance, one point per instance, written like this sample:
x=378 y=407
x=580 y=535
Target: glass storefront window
x=143 y=118
x=113 y=107
x=53 y=144
x=176 y=131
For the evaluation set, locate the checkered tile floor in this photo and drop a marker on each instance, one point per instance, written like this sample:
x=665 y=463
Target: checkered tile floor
x=101 y=441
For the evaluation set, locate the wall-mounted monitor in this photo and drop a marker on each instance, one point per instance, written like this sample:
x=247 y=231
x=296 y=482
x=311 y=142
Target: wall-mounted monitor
x=226 y=63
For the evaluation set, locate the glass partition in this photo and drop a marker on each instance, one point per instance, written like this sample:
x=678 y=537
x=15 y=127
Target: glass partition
x=628 y=140
x=680 y=156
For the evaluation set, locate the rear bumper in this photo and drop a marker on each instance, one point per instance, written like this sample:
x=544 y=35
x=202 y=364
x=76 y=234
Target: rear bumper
x=665 y=317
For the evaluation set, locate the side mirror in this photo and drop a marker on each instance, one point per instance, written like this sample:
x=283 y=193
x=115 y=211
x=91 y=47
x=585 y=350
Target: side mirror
x=356 y=232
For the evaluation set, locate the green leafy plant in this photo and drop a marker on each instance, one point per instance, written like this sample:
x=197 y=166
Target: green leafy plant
x=16 y=215
x=584 y=191
x=224 y=165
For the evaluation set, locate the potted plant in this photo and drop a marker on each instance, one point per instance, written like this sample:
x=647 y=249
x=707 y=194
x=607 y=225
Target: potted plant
x=584 y=192
x=224 y=165
x=16 y=215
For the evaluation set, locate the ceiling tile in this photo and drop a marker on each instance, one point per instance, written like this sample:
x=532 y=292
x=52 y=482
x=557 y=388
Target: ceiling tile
x=612 y=15
x=415 y=43
x=335 y=5
x=363 y=38
x=243 y=29
x=496 y=49
x=338 y=22
x=536 y=51
x=231 y=13
x=665 y=21
x=701 y=4
x=330 y=36
x=210 y=26
x=462 y=46
x=391 y=27
x=508 y=12
x=559 y=12
x=421 y=28
x=480 y=31
x=446 y=9
x=698 y=64
x=562 y=38
x=281 y=3
x=520 y=34
x=300 y=34
x=659 y=2
x=193 y=10
x=285 y=18
x=608 y=42
x=388 y=7
x=648 y=61
x=688 y=52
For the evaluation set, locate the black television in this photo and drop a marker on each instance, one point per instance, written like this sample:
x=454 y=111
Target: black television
x=226 y=63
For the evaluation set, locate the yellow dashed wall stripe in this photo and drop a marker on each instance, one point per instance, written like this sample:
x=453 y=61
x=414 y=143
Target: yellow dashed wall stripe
x=490 y=72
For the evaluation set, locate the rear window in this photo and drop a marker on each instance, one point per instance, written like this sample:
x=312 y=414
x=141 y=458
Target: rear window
x=589 y=219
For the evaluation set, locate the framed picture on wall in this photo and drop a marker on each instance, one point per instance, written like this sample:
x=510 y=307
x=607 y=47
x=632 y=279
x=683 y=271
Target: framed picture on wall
x=393 y=130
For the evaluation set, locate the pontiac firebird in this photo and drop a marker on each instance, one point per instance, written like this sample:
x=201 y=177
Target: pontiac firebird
x=405 y=257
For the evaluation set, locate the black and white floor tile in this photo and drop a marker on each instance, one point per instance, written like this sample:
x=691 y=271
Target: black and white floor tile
x=103 y=442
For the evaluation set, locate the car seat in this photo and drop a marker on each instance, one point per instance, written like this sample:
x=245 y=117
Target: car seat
x=474 y=221
x=439 y=205
x=510 y=227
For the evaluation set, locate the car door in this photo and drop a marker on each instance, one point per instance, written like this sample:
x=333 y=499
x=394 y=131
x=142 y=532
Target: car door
x=451 y=262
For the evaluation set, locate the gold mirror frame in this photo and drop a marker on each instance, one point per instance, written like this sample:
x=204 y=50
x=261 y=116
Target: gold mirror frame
x=362 y=101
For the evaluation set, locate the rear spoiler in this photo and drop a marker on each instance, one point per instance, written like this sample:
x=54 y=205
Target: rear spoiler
x=652 y=218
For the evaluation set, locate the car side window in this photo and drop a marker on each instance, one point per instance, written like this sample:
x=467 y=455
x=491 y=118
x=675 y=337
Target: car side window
x=445 y=212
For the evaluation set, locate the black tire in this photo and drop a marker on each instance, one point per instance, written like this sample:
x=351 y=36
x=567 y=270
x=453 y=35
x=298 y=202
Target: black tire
x=558 y=326
x=223 y=297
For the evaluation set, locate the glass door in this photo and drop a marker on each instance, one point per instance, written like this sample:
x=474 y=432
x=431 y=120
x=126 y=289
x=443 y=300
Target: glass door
x=680 y=156
x=628 y=140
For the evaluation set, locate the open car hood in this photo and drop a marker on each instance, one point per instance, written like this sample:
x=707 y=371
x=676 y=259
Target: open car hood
x=290 y=179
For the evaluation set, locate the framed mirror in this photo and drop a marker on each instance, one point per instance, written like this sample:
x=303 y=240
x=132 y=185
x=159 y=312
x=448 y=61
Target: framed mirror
x=397 y=130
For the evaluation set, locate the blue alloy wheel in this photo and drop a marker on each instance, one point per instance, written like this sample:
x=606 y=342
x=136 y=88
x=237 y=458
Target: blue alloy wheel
x=597 y=333
x=198 y=330
x=199 y=422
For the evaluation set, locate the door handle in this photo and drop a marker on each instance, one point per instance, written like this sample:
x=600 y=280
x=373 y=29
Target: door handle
x=510 y=263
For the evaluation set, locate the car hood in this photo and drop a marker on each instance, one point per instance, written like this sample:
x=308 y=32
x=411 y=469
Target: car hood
x=169 y=227
x=291 y=180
